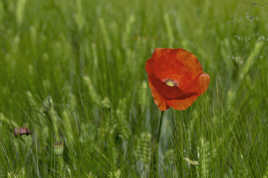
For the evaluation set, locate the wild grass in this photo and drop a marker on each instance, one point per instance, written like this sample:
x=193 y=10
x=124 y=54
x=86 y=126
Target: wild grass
x=73 y=73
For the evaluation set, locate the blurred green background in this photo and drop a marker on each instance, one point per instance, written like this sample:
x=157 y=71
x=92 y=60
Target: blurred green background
x=73 y=72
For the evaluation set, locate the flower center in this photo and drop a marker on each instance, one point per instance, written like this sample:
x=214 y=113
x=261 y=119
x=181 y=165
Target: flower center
x=171 y=83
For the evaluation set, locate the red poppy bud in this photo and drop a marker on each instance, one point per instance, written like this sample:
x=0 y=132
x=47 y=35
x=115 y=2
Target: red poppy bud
x=22 y=131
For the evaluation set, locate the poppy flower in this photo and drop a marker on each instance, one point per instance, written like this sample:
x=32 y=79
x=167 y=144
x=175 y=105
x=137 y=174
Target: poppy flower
x=176 y=78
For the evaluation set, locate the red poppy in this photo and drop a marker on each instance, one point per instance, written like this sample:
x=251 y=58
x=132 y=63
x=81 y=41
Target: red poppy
x=176 y=78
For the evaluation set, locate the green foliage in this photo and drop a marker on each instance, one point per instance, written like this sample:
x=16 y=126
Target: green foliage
x=73 y=73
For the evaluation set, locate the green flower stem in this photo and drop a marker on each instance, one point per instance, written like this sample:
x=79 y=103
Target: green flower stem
x=156 y=141
x=159 y=127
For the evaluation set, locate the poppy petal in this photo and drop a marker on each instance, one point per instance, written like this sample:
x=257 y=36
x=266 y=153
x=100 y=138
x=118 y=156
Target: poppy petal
x=168 y=92
x=175 y=64
x=203 y=82
x=149 y=66
x=158 y=99
x=182 y=104
x=189 y=60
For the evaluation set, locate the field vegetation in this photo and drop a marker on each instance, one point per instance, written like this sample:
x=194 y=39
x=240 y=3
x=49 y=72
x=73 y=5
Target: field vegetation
x=73 y=72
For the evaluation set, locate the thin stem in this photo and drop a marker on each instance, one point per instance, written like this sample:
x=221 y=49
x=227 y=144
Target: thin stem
x=159 y=127
x=155 y=161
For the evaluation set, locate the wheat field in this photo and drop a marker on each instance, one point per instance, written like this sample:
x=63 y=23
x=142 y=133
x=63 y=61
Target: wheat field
x=73 y=73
